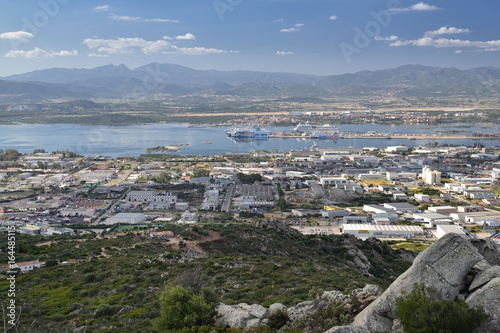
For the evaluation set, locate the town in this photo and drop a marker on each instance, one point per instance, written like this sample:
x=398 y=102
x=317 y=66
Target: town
x=396 y=193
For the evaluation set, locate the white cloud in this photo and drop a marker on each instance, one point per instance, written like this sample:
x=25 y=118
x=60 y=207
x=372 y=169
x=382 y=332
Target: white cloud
x=280 y=53
x=141 y=19
x=39 y=53
x=333 y=17
x=98 y=55
x=188 y=36
x=290 y=30
x=415 y=7
x=102 y=8
x=387 y=39
x=446 y=31
x=459 y=52
x=17 y=35
x=199 y=50
x=135 y=44
x=492 y=45
x=279 y=20
x=295 y=28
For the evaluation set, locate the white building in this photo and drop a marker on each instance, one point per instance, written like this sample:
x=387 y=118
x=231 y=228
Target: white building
x=27 y=265
x=188 y=217
x=442 y=209
x=382 y=231
x=126 y=218
x=401 y=207
x=150 y=196
x=396 y=149
x=444 y=229
x=336 y=181
x=430 y=220
x=422 y=197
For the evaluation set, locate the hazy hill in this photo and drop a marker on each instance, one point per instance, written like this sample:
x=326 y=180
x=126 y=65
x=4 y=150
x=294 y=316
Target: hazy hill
x=413 y=81
x=416 y=80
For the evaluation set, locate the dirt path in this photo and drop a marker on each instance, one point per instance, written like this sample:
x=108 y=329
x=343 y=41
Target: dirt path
x=194 y=245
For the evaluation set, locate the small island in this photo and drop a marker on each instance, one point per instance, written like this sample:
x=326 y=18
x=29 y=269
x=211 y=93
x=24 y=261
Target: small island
x=163 y=149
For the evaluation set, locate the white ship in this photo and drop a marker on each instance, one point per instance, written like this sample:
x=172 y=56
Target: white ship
x=307 y=127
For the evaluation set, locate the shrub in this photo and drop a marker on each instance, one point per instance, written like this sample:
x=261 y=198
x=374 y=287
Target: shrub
x=58 y=317
x=181 y=308
x=89 y=278
x=51 y=263
x=277 y=320
x=422 y=311
x=105 y=310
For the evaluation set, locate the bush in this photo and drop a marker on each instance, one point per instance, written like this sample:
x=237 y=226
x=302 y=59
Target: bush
x=105 y=310
x=58 y=317
x=422 y=311
x=51 y=263
x=277 y=320
x=89 y=278
x=181 y=308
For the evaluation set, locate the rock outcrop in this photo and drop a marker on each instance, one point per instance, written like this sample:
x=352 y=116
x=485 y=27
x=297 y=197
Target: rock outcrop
x=458 y=268
x=246 y=316
x=241 y=315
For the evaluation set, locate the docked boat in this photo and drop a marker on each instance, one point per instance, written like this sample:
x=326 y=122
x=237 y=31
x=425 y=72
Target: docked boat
x=307 y=127
x=322 y=135
x=248 y=133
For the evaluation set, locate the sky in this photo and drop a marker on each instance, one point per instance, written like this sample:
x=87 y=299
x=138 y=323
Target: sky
x=303 y=36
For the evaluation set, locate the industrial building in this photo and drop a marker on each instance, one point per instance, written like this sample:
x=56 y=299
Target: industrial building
x=444 y=229
x=382 y=231
x=126 y=218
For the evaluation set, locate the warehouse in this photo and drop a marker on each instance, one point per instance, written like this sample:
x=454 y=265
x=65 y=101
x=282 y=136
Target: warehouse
x=126 y=218
x=382 y=231
x=442 y=230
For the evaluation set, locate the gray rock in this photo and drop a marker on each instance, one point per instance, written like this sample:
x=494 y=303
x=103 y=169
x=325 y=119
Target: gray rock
x=488 y=249
x=371 y=290
x=258 y=311
x=300 y=310
x=233 y=316
x=488 y=297
x=444 y=266
x=484 y=277
x=276 y=307
x=334 y=295
x=253 y=322
x=482 y=265
x=241 y=315
x=346 y=329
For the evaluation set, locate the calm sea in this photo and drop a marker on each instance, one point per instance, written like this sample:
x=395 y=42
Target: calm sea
x=133 y=140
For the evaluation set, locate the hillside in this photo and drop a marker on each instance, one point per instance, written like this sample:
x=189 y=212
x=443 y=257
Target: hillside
x=170 y=81
x=116 y=279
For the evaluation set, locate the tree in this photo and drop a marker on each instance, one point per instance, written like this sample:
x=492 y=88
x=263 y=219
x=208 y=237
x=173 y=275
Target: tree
x=281 y=203
x=423 y=311
x=249 y=179
x=201 y=173
x=181 y=308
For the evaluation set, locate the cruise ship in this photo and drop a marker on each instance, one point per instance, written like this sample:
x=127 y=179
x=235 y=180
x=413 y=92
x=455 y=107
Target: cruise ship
x=325 y=135
x=308 y=128
x=248 y=133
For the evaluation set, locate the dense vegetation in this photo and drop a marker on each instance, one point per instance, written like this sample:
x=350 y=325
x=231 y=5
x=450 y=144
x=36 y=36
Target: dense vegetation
x=422 y=311
x=116 y=282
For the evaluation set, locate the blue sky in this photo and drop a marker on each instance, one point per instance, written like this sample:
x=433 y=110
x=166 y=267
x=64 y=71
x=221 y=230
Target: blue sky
x=303 y=36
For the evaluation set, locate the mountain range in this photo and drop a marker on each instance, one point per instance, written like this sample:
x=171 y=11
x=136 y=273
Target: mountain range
x=170 y=80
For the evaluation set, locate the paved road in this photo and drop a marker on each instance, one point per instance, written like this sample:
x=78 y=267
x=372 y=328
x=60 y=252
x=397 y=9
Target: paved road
x=227 y=199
